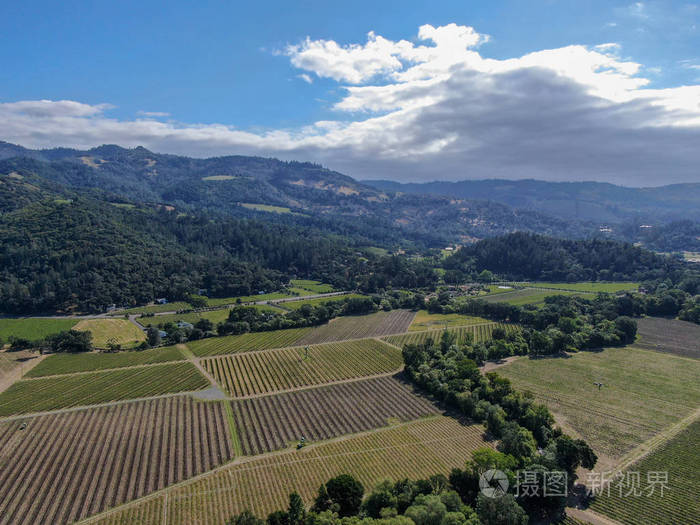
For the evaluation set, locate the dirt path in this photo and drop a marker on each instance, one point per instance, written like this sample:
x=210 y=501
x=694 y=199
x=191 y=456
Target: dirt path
x=656 y=441
x=88 y=407
x=145 y=365
x=493 y=365
x=14 y=375
x=588 y=516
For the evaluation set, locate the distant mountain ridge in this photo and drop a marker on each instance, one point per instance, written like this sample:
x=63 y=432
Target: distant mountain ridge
x=222 y=184
x=595 y=201
x=378 y=213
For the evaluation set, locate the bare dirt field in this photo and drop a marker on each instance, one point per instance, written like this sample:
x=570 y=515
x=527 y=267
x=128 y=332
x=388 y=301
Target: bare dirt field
x=274 y=422
x=669 y=335
x=63 y=467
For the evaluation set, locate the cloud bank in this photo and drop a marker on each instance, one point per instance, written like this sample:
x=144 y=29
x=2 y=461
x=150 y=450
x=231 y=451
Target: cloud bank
x=435 y=109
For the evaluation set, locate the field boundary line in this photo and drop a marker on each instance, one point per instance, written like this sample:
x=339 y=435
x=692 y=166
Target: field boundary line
x=89 y=407
x=651 y=445
x=235 y=440
x=319 y=385
x=84 y=372
x=247 y=459
x=193 y=392
x=588 y=515
x=17 y=373
x=377 y=337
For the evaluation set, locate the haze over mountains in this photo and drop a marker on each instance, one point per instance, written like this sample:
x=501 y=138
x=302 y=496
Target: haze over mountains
x=385 y=213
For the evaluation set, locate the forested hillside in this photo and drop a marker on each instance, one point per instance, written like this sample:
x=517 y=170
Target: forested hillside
x=521 y=256
x=71 y=252
x=305 y=194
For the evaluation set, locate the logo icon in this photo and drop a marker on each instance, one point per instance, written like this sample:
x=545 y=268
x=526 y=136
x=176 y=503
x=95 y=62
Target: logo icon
x=493 y=483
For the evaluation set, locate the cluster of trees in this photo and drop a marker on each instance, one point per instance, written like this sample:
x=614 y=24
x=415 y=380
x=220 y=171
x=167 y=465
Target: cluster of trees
x=242 y=319
x=437 y=500
x=526 y=256
x=66 y=341
x=449 y=373
x=83 y=254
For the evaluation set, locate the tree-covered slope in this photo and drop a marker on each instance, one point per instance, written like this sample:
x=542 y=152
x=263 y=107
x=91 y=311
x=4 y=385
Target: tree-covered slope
x=527 y=256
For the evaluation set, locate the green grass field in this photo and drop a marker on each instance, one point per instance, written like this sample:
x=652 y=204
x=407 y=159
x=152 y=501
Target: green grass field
x=591 y=286
x=266 y=207
x=295 y=305
x=524 y=296
x=155 y=308
x=312 y=286
x=644 y=393
x=68 y=363
x=33 y=328
x=215 y=316
x=680 y=503
x=53 y=393
x=427 y=321
x=245 y=342
x=221 y=301
x=119 y=331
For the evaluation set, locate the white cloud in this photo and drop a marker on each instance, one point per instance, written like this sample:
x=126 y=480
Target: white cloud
x=153 y=114
x=306 y=78
x=437 y=108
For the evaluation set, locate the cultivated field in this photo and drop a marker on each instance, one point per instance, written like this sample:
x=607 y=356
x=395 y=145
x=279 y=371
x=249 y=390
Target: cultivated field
x=525 y=296
x=215 y=316
x=222 y=301
x=274 y=422
x=414 y=450
x=679 y=503
x=246 y=342
x=33 y=328
x=155 y=308
x=644 y=393
x=52 y=393
x=481 y=332
x=253 y=373
x=427 y=321
x=360 y=326
x=295 y=305
x=119 y=331
x=63 y=467
x=667 y=335
x=312 y=286
x=70 y=363
x=589 y=286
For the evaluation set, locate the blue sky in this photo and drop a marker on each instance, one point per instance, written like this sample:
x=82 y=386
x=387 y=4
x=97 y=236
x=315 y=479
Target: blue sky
x=229 y=65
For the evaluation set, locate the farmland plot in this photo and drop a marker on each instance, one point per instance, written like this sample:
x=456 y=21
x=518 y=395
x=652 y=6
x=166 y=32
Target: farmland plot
x=360 y=326
x=52 y=393
x=246 y=342
x=253 y=373
x=63 y=467
x=644 y=393
x=666 y=335
x=68 y=363
x=523 y=296
x=273 y=422
x=414 y=450
x=105 y=331
x=33 y=328
x=679 y=503
x=481 y=332
x=427 y=321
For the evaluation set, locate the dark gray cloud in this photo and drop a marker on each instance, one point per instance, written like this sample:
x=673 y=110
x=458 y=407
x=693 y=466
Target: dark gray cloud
x=442 y=113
